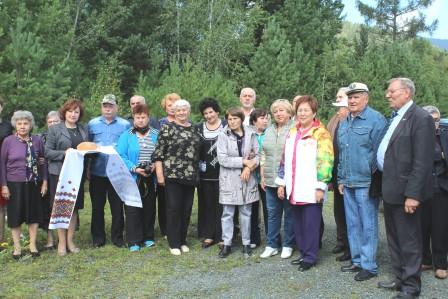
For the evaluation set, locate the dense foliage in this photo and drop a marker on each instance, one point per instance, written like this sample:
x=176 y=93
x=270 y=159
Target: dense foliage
x=54 y=49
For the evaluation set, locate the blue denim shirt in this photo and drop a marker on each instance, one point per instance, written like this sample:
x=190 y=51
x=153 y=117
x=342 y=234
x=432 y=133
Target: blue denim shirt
x=105 y=134
x=358 y=141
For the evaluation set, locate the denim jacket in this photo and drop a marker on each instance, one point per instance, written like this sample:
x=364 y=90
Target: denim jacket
x=358 y=141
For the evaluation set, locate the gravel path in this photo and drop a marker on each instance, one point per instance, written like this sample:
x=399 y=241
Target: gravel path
x=276 y=278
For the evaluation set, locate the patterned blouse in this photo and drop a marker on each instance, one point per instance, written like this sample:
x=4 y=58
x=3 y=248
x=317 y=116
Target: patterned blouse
x=178 y=149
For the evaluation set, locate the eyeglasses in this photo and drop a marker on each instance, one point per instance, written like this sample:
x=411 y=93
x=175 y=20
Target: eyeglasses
x=392 y=91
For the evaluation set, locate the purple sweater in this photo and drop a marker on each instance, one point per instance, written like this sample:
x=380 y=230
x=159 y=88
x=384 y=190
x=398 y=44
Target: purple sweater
x=12 y=159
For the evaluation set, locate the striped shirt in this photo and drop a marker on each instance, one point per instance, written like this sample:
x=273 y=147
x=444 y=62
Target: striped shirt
x=146 y=147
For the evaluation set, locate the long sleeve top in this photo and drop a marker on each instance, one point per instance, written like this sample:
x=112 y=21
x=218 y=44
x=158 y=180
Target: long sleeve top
x=13 y=159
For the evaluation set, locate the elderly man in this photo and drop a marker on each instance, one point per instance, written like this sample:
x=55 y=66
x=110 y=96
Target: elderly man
x=105 y=130
x=405 y=160
x=338 y=200
x=358 y=136
x=140 y=100
x=247 y=100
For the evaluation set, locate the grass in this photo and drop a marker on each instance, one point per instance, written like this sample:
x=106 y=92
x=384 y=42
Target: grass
x=105 y=272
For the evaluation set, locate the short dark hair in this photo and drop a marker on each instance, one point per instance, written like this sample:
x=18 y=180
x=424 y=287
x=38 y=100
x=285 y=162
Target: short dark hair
x=312 y=101
x=255 y=114
x=235 y=111
x=209 y=103
x=71 y=104
x=140 y=108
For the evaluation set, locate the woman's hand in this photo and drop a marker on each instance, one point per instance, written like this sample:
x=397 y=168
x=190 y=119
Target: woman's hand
x=251 y=164
x=245 y=174
x=44 y=188
x=341 y=189
x=263 y=184
x=141 y=171
x=5 y=192
x=281 y=192
x=161 y=180
x=319 y=195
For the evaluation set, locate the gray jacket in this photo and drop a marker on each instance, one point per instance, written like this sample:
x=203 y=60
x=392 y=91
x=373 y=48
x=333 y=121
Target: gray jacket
x=233 y=191
x=273 y=151
x=58 y=141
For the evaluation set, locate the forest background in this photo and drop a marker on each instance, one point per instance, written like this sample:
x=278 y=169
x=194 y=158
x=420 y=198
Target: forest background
x=54 y=49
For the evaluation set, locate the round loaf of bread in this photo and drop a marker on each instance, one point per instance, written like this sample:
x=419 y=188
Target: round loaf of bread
x=87 y=146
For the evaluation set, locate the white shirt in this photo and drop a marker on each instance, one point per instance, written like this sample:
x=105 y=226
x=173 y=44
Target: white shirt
x=385 y=142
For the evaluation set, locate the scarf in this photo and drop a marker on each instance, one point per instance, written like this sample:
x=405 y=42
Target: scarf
x=30 y=160
x=142 y=131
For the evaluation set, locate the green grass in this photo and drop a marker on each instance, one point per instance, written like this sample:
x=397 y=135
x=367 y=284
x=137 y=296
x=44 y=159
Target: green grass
x=105 y=272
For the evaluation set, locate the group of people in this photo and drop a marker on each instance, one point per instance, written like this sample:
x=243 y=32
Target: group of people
x=286 y=159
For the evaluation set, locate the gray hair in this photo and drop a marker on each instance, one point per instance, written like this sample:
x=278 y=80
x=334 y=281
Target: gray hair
x=431 y=109
x=181 y=104
x=52 y=114
x=405 y=83
x=141 y=98
x=343 y=89
x=21 y=115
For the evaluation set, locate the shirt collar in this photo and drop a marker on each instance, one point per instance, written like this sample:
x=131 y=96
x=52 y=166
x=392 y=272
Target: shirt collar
x=103 y=119
x=360 y=115
x=405 y=108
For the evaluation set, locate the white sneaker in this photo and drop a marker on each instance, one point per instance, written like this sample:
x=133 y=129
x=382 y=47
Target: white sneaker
x=253 y=246
x=175 y=251
x=184 y=248
x=286 y=252
x=268 y=252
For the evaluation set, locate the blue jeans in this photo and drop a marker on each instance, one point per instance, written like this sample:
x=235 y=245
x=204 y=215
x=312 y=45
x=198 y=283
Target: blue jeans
x=276 y=209
x=361 y=213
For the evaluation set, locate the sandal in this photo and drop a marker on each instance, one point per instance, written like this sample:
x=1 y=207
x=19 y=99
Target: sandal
x=207 y=243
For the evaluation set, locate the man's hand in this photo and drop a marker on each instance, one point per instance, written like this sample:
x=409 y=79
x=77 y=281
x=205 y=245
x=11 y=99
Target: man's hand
x=341 y=189
x=5 y=192
x=410 y=205
x=319 y=195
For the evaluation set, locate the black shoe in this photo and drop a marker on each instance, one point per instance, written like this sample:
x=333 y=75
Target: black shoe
x=118 y=244
x=337 y=249
x=364 y=275
x=297 y=261
x=17 y=256
x=405 y=295
x=98 y=245
x=35 y=254
x=247 y=251
x=392 y=285
x=225 y=251
x=345 y=257
x=351 y=268
x=304 y=266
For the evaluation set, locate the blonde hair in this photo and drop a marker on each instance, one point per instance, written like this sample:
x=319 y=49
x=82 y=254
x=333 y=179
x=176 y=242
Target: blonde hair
x=171 y=97
x=282 y=102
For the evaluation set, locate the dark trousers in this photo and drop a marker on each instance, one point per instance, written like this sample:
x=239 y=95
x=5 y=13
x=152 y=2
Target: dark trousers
x=307 y=226
x=179 y=201
x=404 y=237
x=209 y=211
x=140 y=221
x=161 y=209
x=100 y=188
x=339 y=218
x=255 y=235
x=435 y=230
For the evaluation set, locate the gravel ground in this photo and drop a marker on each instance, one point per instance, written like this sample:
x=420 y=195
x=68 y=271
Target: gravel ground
x=276 y=278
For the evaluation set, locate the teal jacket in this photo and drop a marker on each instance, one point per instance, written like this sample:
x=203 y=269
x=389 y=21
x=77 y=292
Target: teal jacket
x=129 y=150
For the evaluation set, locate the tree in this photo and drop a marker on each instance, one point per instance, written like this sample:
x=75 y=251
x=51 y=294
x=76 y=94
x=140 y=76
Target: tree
x=398 y=19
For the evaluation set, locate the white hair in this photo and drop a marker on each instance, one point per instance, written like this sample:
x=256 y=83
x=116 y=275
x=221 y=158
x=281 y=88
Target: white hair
x=181 y=104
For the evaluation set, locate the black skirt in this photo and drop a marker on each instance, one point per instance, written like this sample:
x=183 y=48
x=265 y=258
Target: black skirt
x=25 y=204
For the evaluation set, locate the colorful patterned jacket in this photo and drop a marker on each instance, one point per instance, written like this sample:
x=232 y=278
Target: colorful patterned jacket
x=307 y=163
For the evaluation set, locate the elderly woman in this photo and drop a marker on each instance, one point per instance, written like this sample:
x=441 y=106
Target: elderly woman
x=62 y=137
x=5 y=131
x=209 y=209
x=177 y=166
x=23 y=177
x=305 y=171
x=259 y=119
x=47 y=204
x=435 y=211
x=277 y=208
x=238 y=157
x=136 y=147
